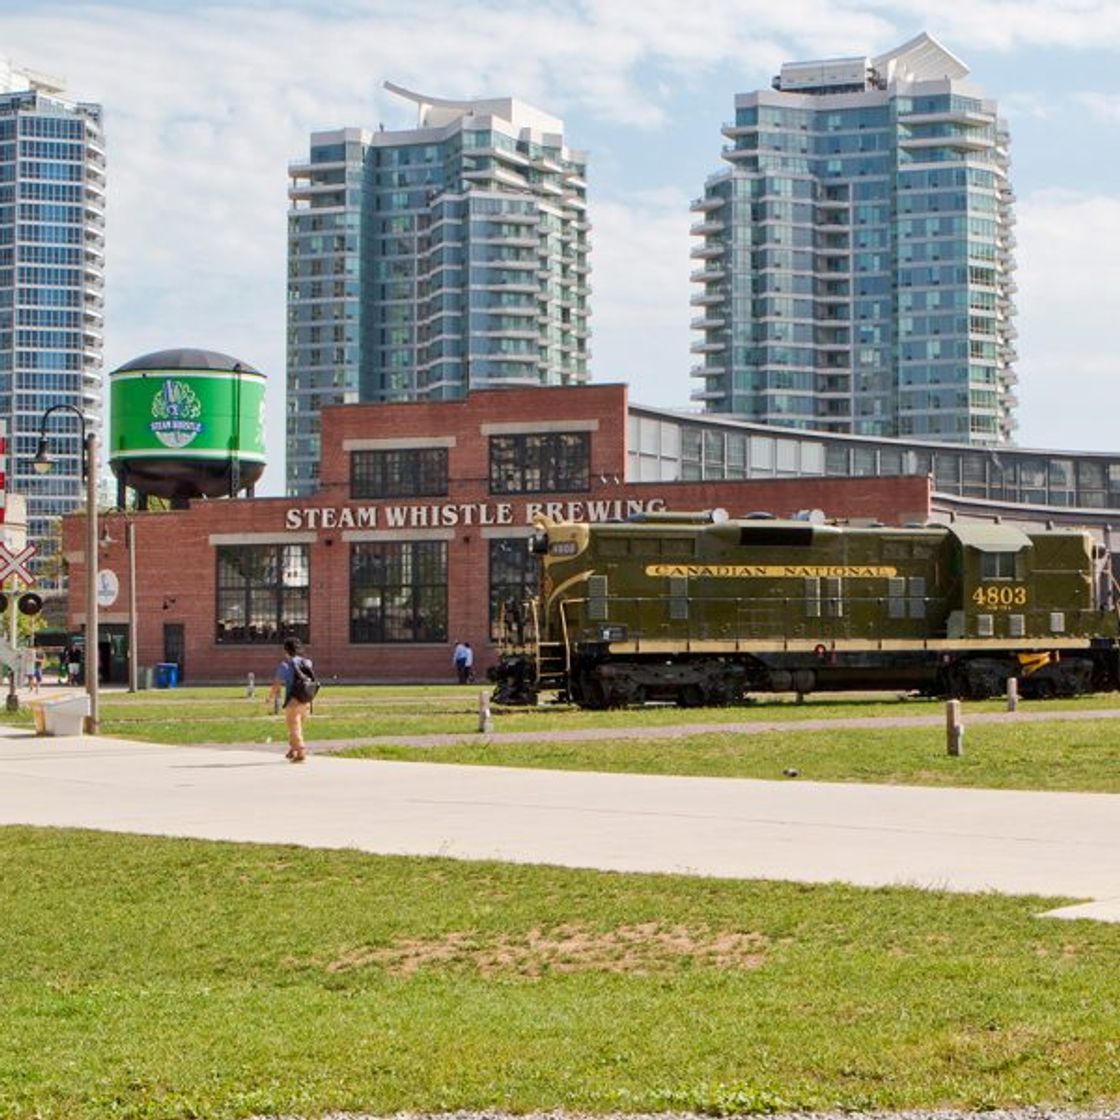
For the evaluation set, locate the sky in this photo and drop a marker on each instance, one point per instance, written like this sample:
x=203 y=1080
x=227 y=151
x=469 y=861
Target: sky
x=206 y=104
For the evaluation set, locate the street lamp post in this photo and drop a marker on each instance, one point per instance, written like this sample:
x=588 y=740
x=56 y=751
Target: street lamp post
x=42 y=464
x=133 y=625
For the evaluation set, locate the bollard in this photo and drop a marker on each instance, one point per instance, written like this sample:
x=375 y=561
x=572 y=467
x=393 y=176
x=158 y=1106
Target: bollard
x=251 y=687
x=954 y=729
x=485 y=723
x=1012 y=694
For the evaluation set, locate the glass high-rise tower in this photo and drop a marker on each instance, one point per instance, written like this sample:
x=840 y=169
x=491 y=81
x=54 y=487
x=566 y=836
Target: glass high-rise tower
x=426 y=263
x=855 y=259
x=52 y=263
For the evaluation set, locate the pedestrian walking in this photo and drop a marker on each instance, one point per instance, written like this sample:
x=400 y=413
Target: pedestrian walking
x=462 y=658
x=293 y=676
x=35 y=670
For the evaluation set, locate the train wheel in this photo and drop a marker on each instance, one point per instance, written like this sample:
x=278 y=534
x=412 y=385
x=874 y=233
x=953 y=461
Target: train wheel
x=596 y=695
x=690 y=696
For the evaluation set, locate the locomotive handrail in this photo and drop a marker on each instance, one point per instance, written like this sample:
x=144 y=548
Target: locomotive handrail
x=566 y=641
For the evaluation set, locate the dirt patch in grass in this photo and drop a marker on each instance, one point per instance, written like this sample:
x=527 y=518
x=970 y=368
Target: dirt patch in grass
x=642 y=948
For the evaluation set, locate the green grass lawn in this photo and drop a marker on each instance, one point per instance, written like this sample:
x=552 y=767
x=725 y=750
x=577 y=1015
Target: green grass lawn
x=160 y=978
x=1042 y=756
x=226 y=715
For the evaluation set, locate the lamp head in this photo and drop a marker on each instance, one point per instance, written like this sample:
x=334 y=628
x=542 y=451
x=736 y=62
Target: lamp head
x=42 y=462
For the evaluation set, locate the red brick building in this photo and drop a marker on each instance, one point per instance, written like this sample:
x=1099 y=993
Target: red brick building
x=417 y=530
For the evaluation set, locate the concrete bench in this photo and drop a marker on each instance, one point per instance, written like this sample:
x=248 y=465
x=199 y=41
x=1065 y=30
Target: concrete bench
x=64 y=715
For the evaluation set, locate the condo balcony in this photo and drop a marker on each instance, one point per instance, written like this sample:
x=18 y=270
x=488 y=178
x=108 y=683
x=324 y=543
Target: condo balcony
x=703 y=205
x=967 y=117
x=707 y=252
x=707 y=275
x=516 y=158
x=960 y=143
x=703 y=299
x=710 y=225
x=709 y=372
x=302 y=169
x=708 y=324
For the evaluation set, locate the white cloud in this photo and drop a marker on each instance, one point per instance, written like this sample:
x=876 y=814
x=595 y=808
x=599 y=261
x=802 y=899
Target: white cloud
x=640 y=304
x=1069 y=254
x=206 y=105
x=1006 y=24
x=1022 y=104
x=1102 y=107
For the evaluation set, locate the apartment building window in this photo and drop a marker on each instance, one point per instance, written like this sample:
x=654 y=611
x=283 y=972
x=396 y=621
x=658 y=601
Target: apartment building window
x=264 y=593
x=515 y=574
x=544 y=463
x=406 y=473
x=398 y=591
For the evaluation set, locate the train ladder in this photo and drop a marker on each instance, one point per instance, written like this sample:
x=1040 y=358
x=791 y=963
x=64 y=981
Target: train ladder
x=552 y=665
x=552 y=657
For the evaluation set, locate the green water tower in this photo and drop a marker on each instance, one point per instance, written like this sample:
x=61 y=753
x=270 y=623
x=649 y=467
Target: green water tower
x=186 y=424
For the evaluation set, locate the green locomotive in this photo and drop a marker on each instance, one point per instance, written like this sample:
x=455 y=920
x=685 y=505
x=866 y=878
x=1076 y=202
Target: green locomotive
x=699 y=609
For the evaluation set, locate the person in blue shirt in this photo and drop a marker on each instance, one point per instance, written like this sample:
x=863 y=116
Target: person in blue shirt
x=461 y=659
x=295 y=711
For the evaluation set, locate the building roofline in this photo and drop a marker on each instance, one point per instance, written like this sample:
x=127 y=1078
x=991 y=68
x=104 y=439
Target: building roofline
x=919 y=58
x=436 y=112
x=907 y=443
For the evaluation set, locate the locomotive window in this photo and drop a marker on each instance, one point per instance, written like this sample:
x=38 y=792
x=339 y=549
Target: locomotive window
x=997 y=565
x=676 y=546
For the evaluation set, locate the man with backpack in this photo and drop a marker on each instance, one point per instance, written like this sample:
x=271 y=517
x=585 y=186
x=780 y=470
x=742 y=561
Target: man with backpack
x=296 y=678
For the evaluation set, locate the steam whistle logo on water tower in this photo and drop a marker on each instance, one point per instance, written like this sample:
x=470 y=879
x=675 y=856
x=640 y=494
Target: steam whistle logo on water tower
x=175 y=413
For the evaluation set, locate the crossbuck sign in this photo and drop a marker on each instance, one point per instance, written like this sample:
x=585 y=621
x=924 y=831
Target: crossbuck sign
x=16 y=564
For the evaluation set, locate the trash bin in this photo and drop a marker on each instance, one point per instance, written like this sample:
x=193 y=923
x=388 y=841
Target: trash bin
x=167 y=675
x=145 y=677
x=64 y=716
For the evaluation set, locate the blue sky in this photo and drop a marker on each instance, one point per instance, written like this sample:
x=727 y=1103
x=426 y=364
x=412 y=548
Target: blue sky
x=206 y=104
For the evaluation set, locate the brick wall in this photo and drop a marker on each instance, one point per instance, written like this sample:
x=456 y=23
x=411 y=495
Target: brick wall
x=175 y=560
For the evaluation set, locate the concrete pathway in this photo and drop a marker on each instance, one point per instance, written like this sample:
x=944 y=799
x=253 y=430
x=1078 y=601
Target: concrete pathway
x=1054 y=844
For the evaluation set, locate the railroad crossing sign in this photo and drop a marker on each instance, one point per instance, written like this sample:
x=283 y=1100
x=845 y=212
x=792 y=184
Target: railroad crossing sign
x=16 y=565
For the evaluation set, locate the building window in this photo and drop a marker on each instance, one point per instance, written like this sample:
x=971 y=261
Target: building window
x=548 y=463
x=263 y=593
x=406 y=473
x=515 y=574
x=398 y=591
